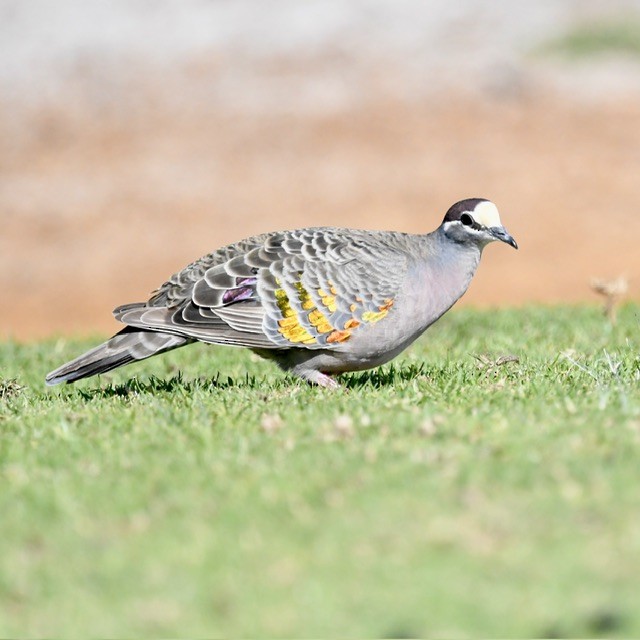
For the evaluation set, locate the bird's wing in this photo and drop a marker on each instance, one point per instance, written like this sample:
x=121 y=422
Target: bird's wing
x=310 y=288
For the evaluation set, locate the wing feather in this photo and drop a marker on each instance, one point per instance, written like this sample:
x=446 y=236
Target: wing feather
x=309 y=288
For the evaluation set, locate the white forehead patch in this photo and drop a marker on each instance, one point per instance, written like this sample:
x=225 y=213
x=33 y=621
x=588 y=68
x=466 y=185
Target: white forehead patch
x=486 y=214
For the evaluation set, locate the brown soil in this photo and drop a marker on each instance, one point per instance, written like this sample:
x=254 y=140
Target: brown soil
x=98 y=212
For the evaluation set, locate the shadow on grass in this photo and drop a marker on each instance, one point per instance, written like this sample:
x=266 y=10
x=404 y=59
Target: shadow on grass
x=174 y=384
x=383 y=376
x=375 y=378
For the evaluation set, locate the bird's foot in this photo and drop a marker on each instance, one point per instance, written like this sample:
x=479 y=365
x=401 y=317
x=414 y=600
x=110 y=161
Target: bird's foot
x=320 y=379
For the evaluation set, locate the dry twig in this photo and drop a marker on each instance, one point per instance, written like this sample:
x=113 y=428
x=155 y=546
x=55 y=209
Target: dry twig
x=613 y=291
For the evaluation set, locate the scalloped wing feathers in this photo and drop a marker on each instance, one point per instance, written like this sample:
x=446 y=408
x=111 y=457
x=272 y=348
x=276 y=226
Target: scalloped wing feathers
x=310 y=288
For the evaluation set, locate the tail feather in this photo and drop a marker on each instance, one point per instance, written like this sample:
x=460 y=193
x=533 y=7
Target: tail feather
x=127 y=346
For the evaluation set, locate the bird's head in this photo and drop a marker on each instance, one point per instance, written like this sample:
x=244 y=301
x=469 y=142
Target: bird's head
x=475 y=221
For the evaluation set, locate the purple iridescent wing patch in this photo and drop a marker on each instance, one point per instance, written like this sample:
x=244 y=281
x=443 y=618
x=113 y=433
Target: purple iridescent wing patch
x=244 y=290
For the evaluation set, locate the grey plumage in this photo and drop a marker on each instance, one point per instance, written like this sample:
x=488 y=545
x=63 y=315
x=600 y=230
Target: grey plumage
x=126 y=346
x=317 y=301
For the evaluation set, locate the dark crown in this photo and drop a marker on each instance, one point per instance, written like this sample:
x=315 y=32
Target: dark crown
x=456 y=210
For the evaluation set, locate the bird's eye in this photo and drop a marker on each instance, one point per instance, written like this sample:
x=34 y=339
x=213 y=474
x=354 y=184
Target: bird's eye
x=466 y=220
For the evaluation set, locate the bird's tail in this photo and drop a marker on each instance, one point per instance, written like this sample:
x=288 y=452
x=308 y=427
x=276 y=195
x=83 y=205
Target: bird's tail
x=127 y=346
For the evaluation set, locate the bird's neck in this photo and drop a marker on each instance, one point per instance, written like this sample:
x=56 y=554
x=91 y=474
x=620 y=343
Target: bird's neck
x=451 y=266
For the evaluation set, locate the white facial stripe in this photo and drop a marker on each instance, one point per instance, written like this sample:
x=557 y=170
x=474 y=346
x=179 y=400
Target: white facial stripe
x=486 y=214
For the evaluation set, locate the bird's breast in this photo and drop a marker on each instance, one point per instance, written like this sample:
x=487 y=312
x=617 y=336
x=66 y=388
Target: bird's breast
x=428 y=291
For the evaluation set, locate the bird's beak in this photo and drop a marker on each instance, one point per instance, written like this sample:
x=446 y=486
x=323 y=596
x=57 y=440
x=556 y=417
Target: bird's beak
x=500 y=233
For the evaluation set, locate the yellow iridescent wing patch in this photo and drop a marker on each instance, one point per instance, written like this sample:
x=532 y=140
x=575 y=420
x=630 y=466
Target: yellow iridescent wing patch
x=375 y=316
x=320 y=322
x=289 y=326
x=292 y=329
x=328 y=299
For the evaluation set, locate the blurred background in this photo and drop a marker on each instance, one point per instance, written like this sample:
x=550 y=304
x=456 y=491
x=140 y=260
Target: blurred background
x=137 y=135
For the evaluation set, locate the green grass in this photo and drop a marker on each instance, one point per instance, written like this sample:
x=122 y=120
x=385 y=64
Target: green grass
x=587 y=40
x=443 y=495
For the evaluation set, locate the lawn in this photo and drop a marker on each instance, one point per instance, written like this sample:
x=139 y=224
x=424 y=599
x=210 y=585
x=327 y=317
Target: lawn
x=601 y=37
x=456 y=492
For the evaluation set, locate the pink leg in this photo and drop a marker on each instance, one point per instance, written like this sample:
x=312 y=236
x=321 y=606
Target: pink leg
x=321 y=379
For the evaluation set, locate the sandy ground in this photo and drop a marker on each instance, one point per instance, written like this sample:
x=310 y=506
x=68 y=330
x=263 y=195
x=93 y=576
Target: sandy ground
x=98 y=212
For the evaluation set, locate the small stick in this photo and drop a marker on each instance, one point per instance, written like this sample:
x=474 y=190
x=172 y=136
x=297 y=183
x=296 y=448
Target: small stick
x=613 y=291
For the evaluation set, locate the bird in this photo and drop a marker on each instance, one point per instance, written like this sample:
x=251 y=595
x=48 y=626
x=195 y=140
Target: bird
x=317 y=301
